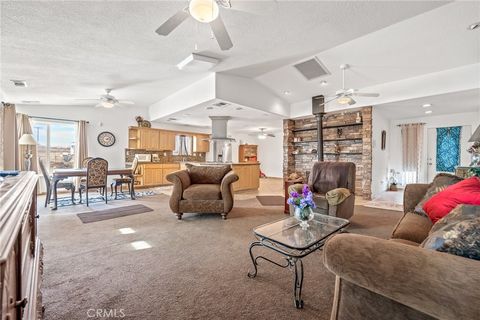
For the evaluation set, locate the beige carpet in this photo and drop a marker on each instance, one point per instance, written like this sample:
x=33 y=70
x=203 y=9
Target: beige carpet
x=195 y=269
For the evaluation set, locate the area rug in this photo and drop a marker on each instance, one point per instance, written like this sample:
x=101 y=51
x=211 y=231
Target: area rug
x=271 y=200
x=107 y=214
x=66 y=201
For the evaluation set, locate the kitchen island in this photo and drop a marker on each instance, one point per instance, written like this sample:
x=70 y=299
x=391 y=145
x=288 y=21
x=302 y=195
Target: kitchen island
x=248 y=173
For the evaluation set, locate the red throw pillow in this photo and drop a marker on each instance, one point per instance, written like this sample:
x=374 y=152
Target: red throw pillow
x=463 y=192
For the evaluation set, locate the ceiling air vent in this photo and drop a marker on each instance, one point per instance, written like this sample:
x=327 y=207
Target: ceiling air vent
x=220 y=104
x=19 y=83
x=312 y=68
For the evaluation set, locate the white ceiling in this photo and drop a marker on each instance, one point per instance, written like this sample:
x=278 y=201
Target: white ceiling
x=457 y=102
x=243 y=119
x=67 y=50
x=434 y=41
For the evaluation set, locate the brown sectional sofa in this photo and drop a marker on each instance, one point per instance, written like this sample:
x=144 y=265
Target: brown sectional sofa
x=396 y=279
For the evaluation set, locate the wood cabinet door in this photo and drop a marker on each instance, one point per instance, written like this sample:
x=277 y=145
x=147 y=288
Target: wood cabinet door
x=167 y=140
x=149 y=176
x=201 y=144
x=143 y=138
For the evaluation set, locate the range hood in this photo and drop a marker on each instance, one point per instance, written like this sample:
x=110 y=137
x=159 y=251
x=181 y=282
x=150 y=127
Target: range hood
x=219 y=128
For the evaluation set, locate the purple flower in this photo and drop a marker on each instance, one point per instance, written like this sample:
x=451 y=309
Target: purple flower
x=303 y=200
x=305 y=190
x=294 y=194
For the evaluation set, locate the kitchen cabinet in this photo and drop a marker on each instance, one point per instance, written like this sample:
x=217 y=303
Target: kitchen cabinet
x=154 y=174
x=201 y=145
x=248 y=174
x=167 y=140
x=163 y=140
x=247 y=153
x=149 y=139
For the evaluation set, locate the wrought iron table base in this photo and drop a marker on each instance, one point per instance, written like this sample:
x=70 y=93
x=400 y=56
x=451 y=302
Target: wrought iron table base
x=293 y=263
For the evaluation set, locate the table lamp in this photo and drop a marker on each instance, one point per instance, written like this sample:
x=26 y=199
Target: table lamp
x=28 y=140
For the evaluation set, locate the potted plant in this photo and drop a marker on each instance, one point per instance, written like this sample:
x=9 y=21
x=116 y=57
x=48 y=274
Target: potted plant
x=303 y=204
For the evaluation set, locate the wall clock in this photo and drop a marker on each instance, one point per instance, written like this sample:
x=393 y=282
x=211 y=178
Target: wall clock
x=106 y=139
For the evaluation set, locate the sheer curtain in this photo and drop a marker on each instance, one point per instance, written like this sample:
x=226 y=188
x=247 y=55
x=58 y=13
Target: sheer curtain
x=24 y=126
x=412 y=144
x=9 y=156
x=81 y=146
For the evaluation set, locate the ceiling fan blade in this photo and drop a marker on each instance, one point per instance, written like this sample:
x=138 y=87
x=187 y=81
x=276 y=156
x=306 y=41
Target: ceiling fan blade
x=173 y=22
x=270 y=135
x=365 y=94
x=221 y=34
x=126 y=102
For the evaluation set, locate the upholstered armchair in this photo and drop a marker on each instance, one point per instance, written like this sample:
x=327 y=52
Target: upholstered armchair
x=202 y=189
x=333 y=188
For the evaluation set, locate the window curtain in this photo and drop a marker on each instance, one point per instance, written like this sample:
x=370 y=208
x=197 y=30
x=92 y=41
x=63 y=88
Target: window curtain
x=448 y=148
x=81 y=146
x=9 y=155
x=24 y=126
x=412 y=144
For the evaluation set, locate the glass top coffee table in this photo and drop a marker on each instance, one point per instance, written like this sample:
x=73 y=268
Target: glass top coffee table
x=287 y=238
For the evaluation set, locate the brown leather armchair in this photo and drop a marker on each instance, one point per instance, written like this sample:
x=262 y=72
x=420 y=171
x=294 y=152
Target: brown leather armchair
x=202 y=189
x=328 y=176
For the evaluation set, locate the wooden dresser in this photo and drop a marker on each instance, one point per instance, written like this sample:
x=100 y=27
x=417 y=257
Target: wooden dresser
x=20 y=249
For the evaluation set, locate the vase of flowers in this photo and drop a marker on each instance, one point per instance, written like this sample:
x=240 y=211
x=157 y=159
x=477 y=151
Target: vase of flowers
x=303 y=204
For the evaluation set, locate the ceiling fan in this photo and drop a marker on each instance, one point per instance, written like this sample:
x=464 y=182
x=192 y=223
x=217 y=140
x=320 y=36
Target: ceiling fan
x=205 y=11
x=262 y=134
x=108 y=101
x=345 y=96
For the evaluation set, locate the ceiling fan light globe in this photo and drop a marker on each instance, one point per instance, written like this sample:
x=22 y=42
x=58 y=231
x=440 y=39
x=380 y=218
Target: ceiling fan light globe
x=344 y=100
x=108 y=104
x=262 y=136
x=203 y=10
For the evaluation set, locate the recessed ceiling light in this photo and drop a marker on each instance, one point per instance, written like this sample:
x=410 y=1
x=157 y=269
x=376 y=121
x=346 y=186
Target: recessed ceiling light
x=428 y=111
x=474 y=26
x=286 y=92
x=187 y=114
x=238 y=108
x=209 y=108
x=172 y=119
x=426 y=105
x=323 y=83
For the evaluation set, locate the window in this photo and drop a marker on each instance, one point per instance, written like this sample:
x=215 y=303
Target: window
x=55 y=142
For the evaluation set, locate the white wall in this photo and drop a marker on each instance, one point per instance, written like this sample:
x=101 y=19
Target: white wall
x=395 y=151
x=116 y=121
x=380 y=157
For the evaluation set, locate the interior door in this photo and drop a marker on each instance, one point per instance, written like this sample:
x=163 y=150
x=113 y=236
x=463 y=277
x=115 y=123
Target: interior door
x=432 y=150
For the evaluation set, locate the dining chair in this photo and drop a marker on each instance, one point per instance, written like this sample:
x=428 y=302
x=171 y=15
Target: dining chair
x=125 y=180
x=97 y=170
x=69 y=185
x=85 y=161
x=84 y=165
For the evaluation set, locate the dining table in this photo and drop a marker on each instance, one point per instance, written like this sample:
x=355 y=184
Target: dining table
x=61 y=174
